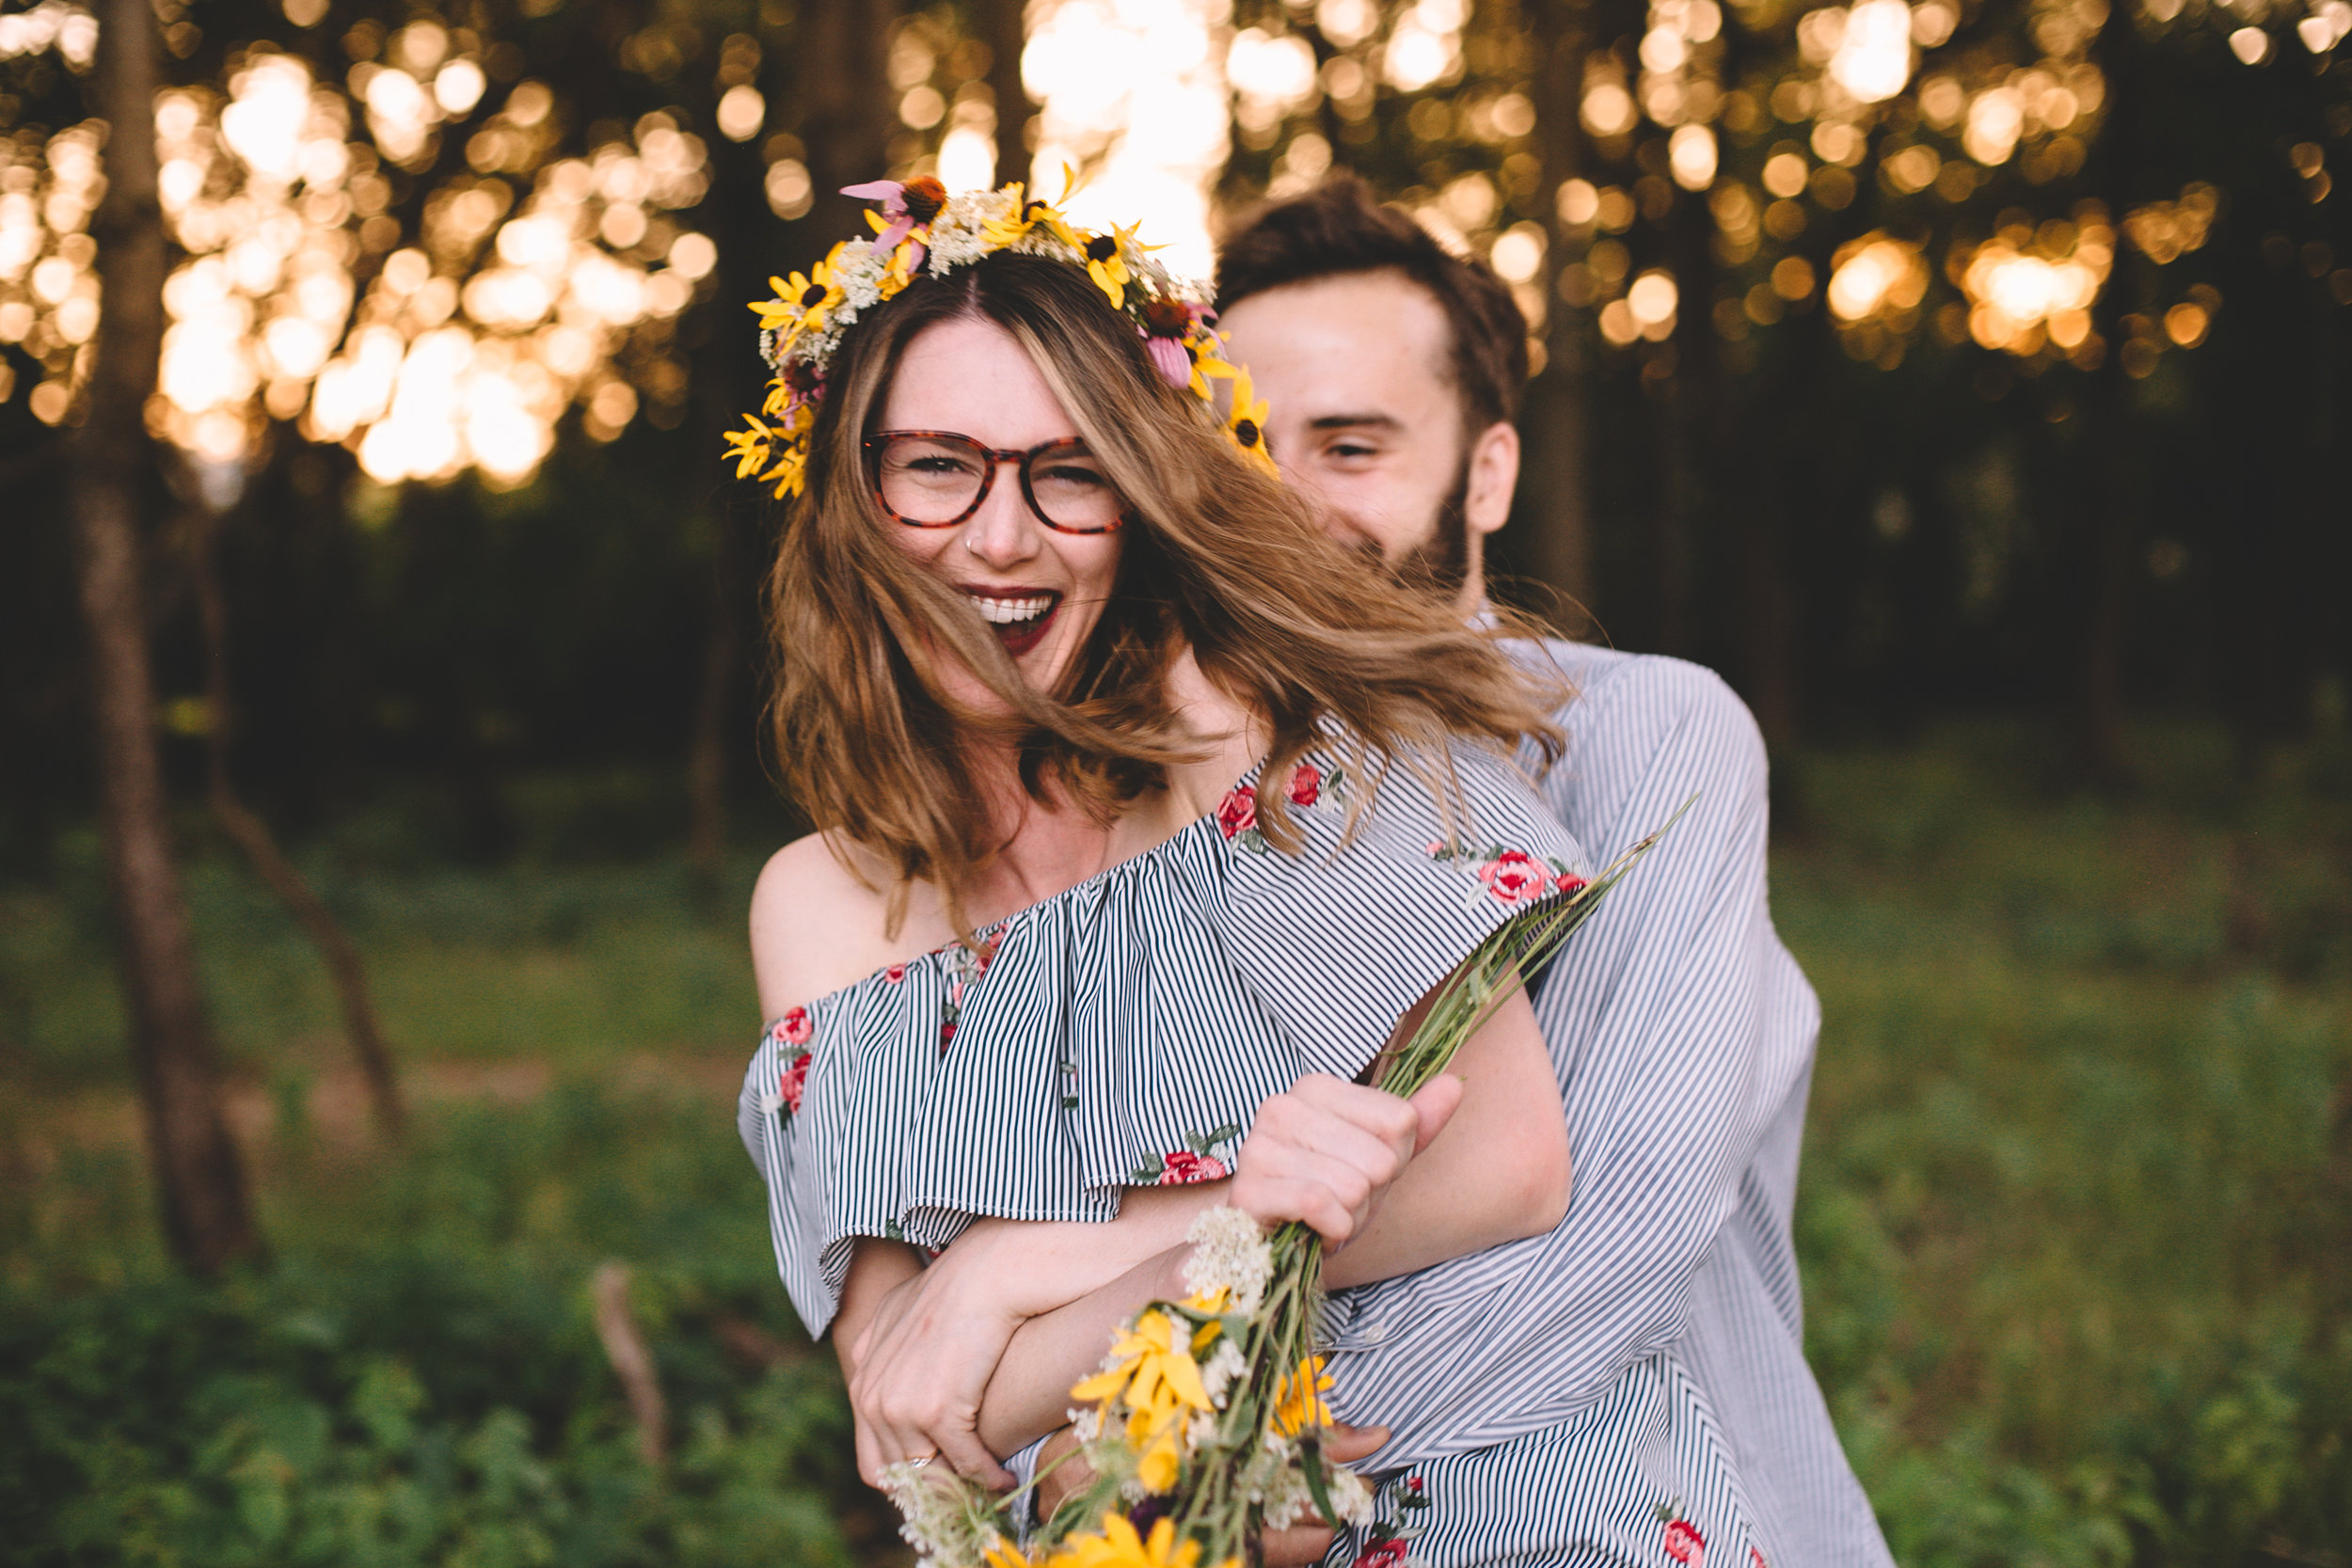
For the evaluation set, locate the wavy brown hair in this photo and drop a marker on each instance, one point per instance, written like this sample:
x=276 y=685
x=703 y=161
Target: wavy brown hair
x=1218 y=556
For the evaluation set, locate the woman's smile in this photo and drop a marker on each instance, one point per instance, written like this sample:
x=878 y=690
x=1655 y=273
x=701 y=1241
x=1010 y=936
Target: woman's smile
x=1020 y=616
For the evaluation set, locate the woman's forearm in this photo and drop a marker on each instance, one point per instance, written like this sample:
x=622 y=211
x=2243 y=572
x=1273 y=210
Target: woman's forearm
x=1031 y=1268
x=1029 y=1394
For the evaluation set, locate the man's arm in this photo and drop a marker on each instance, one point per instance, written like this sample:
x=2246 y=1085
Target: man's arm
x=1676 y=1022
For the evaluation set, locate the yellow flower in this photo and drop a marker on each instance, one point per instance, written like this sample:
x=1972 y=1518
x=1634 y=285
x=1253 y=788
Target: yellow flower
x=1157 y=1380
x=1120 y=1546
x=790 y=472
x=1154 y=1375
x=1298 y=1398
x=749 y=447
x=1031 y=211
x=802 y=301
x=1001 y=1553
x=1004 y=233
x=1245 y=420
x=1106 y=264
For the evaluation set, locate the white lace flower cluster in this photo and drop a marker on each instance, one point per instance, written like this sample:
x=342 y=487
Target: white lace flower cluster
x=937 y=1515
x=1229 y=1252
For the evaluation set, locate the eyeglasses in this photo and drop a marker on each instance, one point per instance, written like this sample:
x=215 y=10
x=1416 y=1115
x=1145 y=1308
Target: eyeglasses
x=937 y=479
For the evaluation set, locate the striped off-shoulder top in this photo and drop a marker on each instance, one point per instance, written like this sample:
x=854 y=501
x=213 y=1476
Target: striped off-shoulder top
x=1124 y=1032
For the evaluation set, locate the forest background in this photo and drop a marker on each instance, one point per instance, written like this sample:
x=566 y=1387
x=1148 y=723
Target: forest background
x=379 y=669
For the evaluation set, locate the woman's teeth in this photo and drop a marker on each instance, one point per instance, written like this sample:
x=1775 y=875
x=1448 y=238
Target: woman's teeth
x=1009 y=613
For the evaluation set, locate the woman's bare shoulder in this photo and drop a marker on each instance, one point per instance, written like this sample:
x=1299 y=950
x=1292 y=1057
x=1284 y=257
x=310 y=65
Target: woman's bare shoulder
x=817 y=926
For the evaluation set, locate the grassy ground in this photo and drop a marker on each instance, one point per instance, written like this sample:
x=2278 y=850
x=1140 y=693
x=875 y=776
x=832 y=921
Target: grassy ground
x=2071 y=1218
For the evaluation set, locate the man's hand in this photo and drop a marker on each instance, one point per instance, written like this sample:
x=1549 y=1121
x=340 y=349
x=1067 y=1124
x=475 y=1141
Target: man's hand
x=1062 y=1474
x=1326 y=1151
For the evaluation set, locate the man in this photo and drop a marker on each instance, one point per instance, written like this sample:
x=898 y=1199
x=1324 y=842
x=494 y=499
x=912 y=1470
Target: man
x=1682 y=1030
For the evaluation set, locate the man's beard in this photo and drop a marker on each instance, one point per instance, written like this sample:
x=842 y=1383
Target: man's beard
x=1440 y=563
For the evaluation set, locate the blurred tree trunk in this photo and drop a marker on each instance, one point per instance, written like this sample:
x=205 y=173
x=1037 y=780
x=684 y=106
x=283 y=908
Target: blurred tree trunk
x=850 y=114
x=252 y=836
x=706 y=760
x=731 y=378
x=1555 y=423
x=2108 y=482
x=1004 y=27
x=207 y=1216
x=2109 y=502
x=1553 y=474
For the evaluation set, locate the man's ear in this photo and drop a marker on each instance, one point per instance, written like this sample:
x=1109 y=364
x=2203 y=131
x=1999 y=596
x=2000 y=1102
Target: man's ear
x=1494 y=474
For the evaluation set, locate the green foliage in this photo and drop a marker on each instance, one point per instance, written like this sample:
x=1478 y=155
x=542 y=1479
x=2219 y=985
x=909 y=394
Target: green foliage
x=416 y=1379
x=547 y=957
x=2077 y=1156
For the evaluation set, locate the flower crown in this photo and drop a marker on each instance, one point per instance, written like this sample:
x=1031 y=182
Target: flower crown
x=922 y=228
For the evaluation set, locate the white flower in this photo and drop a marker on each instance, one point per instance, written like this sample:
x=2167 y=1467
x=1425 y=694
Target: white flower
x=1229 y=1250
x=1276 y=1479
x=958 y=237
x=1350 y=1497
x=860 y=272
x=941 y=1516
x=1222 y=1368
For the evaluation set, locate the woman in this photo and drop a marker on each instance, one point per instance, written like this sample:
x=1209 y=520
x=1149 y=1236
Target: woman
x=1143 y=826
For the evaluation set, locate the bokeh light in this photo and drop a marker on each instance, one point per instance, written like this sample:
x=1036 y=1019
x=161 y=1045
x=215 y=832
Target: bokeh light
x=2031 y=289
x=1134 y=92
x=466 y=343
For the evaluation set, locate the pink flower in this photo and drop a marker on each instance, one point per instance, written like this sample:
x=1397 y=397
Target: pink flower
x=1169 y=358
x=794 y=1028
x=895 y=973
x=1755 y=1559
x=1181 y=1168
x=909 y=205
x=1570 y=883
x=1166 y=323
x=1238 y=811
x=1515 y=876
x=1383 y=1554
x=1685 y=1544
x=1306 y=785
x=793 y=1082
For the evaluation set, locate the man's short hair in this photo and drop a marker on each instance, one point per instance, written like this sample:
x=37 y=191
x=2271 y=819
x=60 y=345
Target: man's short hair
x=1338 y=230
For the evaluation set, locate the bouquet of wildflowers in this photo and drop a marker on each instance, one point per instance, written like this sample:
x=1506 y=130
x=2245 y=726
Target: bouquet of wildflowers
x=1205 y=1425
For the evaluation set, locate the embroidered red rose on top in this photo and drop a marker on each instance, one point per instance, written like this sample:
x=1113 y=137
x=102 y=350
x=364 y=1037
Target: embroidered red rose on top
x=1306 y=785
x=792 y=1083
x=1182 y=1167
x=1685 y=1544
x=1238 y=811
x=1515 y=877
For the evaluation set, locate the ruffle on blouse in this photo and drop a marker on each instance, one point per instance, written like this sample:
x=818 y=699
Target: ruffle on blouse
x=1124 y=1032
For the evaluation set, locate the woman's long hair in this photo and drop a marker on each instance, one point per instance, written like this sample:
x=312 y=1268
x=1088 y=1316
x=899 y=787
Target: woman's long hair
x=1218 y=556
